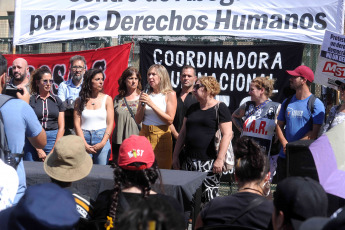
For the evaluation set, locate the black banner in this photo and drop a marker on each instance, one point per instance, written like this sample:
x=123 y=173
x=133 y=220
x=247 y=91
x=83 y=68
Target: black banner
x=233 y=66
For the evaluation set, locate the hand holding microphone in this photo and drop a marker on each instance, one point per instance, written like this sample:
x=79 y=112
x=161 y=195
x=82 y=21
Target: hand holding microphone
x=146 y=90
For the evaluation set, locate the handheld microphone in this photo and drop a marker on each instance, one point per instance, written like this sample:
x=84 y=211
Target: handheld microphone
x=146 y=90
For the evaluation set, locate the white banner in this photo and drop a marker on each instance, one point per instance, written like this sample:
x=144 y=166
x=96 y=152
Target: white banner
x=331 y=62
x=304 y=21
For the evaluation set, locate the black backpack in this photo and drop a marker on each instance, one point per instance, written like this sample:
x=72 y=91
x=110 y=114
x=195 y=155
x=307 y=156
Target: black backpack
x=5 y=154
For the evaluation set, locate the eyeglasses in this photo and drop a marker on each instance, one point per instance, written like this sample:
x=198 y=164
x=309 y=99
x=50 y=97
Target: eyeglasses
x=45 y=82
x=77 y=67
x=197 y=86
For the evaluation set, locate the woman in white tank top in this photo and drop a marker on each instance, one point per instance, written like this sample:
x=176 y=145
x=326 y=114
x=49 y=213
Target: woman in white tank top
x=156 y=111
x=94 y=116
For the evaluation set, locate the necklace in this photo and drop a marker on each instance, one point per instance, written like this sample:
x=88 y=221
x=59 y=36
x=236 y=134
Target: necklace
x=256 y=190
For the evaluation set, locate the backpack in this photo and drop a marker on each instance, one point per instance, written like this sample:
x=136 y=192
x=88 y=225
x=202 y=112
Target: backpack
x=5 y=154
x=311 y=103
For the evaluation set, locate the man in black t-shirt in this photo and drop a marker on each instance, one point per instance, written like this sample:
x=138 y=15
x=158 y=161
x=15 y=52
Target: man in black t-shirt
x=185 y=99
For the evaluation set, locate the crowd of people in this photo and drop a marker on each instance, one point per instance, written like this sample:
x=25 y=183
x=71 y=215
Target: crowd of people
x=158 y=128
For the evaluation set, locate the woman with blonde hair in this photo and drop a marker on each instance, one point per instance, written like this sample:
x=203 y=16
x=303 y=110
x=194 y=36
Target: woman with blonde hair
x=197 y=134
x=257 y=118
x=156 y=111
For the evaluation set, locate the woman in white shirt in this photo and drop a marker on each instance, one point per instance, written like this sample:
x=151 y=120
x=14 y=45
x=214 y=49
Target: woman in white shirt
x=156 y=111
x=94 y=116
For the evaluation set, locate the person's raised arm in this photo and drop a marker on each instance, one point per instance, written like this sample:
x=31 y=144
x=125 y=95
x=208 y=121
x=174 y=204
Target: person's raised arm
x=179 y=145
x=237 y=117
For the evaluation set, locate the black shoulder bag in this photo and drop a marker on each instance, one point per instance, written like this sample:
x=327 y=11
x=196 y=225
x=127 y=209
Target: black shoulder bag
x=131 y=112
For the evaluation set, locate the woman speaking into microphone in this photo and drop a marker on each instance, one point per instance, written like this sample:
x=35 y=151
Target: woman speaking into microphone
x=156 y=112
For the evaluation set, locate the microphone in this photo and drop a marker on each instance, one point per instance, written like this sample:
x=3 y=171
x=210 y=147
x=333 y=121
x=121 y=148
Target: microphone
x=146 y=90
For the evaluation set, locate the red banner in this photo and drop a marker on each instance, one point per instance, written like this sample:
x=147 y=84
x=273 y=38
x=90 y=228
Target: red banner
x=113 y=60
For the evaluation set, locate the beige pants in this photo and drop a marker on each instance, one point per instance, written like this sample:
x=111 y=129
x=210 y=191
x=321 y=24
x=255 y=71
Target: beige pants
x=161 y=142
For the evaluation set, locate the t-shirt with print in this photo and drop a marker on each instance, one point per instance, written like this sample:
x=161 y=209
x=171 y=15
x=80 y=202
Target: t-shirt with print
x=298 y=119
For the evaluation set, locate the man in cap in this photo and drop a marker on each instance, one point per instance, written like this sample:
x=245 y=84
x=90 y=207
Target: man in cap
x=69 y=90
x=297 y=199
x=44 y=206
x=302 y=114
x=70 y=162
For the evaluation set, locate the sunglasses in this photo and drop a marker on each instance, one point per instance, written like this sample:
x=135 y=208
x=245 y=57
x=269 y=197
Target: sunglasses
x=45 y=82
x=197 y=86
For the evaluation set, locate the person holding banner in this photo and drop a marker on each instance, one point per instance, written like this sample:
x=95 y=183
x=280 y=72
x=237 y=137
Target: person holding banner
x=197 y=134
x=257 y=118
x=125 y=108
x=337 y=112
x=94 y=116
x=157 y=111
x=50 y=111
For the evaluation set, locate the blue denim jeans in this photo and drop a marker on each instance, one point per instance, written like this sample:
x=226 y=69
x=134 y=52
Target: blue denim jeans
x=93 y=137
x=30 y=153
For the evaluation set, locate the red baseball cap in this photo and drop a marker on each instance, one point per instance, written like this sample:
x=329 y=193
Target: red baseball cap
x=136 y=149
x=302 y=71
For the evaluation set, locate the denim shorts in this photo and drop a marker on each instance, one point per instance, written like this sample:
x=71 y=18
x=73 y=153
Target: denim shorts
x=30 y=153
x=93 y=137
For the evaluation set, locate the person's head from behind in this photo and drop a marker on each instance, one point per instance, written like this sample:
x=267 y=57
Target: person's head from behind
x=68 y=162
x=251 y=165
x=136 y=167
x=297 y=199
x=43 y=206
x=77 y=67
x=129 y=80
x=158 y=78
x=41 y=80
x=152 y=215
x=3 y=71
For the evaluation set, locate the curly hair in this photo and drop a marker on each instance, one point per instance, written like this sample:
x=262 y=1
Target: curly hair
x=251 y=164
x=211 y=84
x=165 y=84
x=264 y=83
x=86 y=88
x=122 y=80
x=143 y=179
x=37 y=75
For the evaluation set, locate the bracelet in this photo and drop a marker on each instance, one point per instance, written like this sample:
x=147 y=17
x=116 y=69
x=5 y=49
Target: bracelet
x=108 y=134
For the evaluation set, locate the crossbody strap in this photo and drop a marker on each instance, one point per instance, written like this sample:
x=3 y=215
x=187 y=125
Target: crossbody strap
x=131 y=112
x=253 y=204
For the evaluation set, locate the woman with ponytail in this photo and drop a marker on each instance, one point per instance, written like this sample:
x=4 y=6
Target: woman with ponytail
x=134 y=174
x=248 y=207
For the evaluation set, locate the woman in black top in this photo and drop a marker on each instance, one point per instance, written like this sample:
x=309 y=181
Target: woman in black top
x=197 y=134
x=50 y=112
x=253 y=176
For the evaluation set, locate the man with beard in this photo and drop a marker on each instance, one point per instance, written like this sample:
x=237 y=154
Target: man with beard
x=20 y=70
x=185 y=99
x=300 y=121
x=69 y=90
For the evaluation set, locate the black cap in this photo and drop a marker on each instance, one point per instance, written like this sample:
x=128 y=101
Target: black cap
x=300 y=198
x=335 y=222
